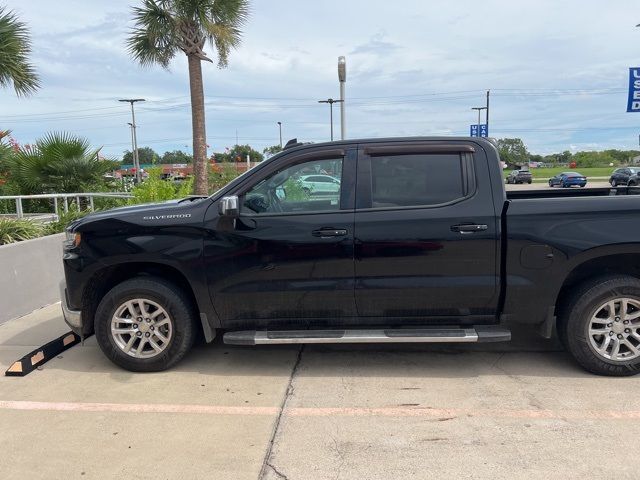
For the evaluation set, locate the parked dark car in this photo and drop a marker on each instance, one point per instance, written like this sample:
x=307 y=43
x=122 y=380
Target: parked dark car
x=568 y=179
x=520 y=176
x=621 y=176
x=420 y=243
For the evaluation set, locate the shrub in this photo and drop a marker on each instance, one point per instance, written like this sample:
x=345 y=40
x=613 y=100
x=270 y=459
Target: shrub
x=64 y=219
x=221 y=174
x=155 y=189
x=14 y=230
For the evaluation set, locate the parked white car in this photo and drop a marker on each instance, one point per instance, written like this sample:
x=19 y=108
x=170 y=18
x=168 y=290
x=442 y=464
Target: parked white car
x=320 y=183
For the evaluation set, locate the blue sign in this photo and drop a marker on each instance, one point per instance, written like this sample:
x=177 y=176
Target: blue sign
x=479 y=130
x=633 y=101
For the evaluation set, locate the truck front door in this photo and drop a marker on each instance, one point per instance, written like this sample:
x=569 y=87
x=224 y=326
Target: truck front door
x=287 y=260
x=426 y=234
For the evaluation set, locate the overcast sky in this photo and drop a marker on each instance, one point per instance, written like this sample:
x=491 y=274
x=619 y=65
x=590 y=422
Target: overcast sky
x=557 y=71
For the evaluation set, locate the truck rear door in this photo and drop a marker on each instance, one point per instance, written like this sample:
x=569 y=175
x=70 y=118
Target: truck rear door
x=426 y=233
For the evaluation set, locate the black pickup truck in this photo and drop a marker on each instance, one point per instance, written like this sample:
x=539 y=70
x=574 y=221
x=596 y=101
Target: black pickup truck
x=385 y=240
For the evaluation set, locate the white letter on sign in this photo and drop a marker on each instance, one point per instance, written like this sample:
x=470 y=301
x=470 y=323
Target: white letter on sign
x=636 y=73
x=635 y=105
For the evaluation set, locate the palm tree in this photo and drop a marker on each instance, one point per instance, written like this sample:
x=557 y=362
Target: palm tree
x=166 y=27
x=15 y=47
x=57 y=163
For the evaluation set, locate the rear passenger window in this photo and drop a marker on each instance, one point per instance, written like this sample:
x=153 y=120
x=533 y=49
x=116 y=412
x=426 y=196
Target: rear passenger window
x=416 y=180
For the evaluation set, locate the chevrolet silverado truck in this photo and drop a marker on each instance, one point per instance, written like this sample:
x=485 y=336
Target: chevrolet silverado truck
x=415 y=240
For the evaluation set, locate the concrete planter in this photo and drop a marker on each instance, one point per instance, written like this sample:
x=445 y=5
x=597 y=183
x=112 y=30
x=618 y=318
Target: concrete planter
x=30 y=272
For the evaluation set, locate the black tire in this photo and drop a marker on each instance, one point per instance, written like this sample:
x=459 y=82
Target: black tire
x=529 y=182
x=550 y=184
x=631 y=184
x=574 y=318
x=172 y=299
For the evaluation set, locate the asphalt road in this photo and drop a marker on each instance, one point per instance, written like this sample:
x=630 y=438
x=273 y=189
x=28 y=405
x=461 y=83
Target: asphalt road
x=545 y=186
x=514 y=410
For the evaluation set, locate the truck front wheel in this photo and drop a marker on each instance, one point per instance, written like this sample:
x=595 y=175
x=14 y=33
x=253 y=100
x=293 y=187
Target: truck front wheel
x=600 y=325
x=145 y=324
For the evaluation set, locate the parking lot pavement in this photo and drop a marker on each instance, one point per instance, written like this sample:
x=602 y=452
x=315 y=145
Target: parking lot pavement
x=512 y=410
x=545 y=186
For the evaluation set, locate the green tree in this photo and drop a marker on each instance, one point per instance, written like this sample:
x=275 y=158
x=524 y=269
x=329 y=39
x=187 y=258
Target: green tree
x=513 y=151
x=238 y=153
x=594 y=159
x=15 y=48
x=147 y=155
x=164 y=28
x=176 y=156
x=57 y=163
x=272 y=150
x=6 y=152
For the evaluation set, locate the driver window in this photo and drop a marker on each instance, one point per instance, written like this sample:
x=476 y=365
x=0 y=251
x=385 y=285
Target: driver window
x=312 y=186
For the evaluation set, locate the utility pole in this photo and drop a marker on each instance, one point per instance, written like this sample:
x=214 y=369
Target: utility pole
x=134 y=138
x=342 y=78
x=280 y=128
x=330 y=101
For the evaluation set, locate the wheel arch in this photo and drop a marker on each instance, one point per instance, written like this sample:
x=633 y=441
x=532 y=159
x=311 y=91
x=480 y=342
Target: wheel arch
x=108 y=277
x=621 y=263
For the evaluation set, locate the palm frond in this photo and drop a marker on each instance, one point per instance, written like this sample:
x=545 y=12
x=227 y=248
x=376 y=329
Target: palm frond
x=153 y=40
x=223 y=28
x=15 y=48
x=162 y=27
x=58 y=163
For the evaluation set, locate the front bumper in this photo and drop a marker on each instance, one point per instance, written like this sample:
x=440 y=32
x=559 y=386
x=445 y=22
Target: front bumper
x=73 y=318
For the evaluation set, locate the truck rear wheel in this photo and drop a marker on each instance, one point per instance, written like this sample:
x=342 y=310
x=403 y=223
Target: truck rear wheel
x=145 y=324
x=600 y=325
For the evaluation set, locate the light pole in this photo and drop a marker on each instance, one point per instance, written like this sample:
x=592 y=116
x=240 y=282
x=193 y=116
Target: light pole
x=479 y=109
x=135 y=164
x=487 y=122
x=330 y=101
x=136 y=159
x=280 y=128
x=342 y=78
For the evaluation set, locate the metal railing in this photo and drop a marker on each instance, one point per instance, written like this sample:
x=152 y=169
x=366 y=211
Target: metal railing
x=65 y=200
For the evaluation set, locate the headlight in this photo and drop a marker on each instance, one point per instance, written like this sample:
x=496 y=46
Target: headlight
x=73 y=238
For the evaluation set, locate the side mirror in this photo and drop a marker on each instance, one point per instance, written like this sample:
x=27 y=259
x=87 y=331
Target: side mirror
x=229 y=206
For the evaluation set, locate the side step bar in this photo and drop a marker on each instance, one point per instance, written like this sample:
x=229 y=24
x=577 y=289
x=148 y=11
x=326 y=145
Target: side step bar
x=478 y=333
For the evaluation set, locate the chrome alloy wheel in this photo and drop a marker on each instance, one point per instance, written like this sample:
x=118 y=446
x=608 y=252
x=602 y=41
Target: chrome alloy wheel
x=614 y=329
x=141 y=328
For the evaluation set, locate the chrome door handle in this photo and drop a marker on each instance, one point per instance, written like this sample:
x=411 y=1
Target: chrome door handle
x=468 y=228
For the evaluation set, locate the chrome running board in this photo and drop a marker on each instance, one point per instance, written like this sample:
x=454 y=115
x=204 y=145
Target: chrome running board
x=388 y=335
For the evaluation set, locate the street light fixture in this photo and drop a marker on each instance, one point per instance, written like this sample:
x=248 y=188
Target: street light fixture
x=330 y=101
x=280 y=128
x=134 y=138
x=342 y=78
